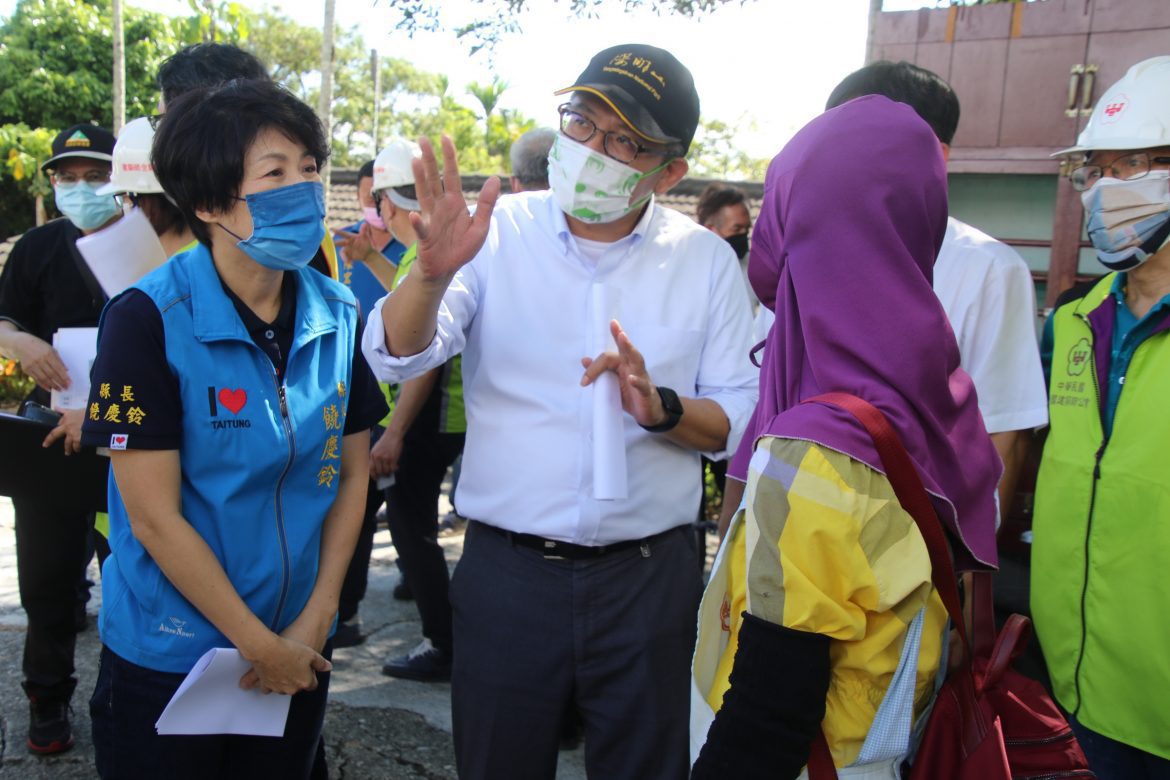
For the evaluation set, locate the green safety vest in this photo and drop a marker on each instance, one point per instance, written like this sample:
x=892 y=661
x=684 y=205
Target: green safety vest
x=1101 y=544
x=452 y=416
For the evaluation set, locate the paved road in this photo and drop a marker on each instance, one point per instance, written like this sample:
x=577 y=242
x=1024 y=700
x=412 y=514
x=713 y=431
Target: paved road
x=375 y=727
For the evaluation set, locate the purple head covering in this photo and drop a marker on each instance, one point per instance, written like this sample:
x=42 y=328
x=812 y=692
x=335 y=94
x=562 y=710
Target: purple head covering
x=855 y=209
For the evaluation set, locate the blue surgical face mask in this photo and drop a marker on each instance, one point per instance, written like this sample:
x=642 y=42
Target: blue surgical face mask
x=1128 y=220
x=82 y=206
x=287 y=225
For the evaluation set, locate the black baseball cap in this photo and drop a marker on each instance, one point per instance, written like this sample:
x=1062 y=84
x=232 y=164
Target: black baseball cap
x=84 y=140
x=648 y=88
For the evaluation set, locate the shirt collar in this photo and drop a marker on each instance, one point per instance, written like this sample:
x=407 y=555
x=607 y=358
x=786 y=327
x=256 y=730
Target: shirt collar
x=561 y=225
x=1117 y=290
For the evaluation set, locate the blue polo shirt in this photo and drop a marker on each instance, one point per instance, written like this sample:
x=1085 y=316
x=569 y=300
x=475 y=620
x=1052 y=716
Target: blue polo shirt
x=360 y=279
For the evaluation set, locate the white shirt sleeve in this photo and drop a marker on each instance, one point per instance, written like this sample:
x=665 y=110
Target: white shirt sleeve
x=726 y=374
x=996 y=330
x=456 y=311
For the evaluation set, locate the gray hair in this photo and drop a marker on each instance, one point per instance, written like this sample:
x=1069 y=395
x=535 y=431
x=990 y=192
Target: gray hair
x=530 y=156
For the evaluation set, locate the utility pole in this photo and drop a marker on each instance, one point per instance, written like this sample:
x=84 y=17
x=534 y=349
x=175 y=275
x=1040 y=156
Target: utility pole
x=375 y=68
x=875 y=8
x=325 y=106
x=119 y=69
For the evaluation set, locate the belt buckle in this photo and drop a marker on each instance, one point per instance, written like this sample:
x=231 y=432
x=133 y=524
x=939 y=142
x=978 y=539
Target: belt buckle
x=550 y=551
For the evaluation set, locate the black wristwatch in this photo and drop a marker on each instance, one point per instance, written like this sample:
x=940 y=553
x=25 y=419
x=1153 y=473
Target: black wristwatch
x=673 y=408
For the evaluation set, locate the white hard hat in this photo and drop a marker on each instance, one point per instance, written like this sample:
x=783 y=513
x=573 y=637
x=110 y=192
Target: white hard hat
x=392 y=169
x=132 y=169
x=1132 y=114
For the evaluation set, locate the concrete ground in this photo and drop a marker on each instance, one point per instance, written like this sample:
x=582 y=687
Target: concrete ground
x=375 y=726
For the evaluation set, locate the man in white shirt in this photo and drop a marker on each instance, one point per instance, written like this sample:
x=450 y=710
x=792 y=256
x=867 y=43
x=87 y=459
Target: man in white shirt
x=578 y=588
x=984 y=285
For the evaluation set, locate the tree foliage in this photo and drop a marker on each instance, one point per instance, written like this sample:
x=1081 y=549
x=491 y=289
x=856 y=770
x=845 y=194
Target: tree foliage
x=714 y=154
x=502 y=17
x=56 y=62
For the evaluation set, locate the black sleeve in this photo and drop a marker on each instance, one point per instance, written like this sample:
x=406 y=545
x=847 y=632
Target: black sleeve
x=134 y=400
x=367 y=405
x=19 y=298
x=773 y=710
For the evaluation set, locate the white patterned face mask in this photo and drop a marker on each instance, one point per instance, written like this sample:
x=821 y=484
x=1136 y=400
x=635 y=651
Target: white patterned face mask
x=1128 y=220
x=590 y=186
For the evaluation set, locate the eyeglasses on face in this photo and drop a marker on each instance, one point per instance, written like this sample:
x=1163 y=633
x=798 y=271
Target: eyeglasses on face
x=1128 y=166
x=619 y=146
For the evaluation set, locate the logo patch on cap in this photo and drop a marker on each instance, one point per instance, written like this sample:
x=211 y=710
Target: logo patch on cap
x=77 y=140
x=635 y=67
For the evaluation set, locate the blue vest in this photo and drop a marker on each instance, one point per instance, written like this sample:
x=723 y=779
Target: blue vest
x=260 y=461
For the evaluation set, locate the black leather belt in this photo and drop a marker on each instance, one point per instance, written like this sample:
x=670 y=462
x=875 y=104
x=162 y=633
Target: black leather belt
x=552 y=548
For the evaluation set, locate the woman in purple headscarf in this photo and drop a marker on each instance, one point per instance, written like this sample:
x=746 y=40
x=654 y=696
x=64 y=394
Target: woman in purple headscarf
x=821 y=614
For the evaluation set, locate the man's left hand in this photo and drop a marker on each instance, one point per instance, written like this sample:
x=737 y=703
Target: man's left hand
x=69 y=429
x=639 y=395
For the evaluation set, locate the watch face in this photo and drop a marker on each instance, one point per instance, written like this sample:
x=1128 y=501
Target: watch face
x=670 y=401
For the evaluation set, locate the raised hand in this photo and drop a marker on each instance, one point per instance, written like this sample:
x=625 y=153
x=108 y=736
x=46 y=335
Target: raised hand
x=639 y=397
x=448 y=236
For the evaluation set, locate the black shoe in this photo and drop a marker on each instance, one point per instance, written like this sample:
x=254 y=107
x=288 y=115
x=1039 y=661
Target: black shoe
x=349 y=633
x=425 y=663
x=49 y=731
x=402 y=592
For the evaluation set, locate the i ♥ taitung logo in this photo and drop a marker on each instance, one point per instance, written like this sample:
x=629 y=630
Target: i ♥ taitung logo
x=233 y=400
x=118 y=441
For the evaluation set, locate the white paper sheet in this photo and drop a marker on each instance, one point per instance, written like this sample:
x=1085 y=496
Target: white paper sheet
x=609 y=440
x=77 y=348
x=123 y=253
x=210 y=701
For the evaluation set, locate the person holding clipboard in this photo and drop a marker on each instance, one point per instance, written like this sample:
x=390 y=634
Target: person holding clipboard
x=45 y=287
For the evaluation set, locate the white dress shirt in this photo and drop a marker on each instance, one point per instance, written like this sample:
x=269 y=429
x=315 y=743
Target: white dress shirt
x=987 y=292
x=520 y=314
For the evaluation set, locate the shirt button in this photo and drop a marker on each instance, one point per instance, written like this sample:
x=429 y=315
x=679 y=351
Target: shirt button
x=268 y=334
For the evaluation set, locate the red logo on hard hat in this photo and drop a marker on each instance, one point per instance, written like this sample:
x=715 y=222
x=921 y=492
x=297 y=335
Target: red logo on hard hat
x=1114 y=108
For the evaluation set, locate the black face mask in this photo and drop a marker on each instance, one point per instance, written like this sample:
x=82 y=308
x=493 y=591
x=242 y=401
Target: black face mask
x=739 y=244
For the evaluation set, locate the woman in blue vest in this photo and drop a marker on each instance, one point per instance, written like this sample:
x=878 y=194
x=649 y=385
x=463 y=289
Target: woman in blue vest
x=230 y=392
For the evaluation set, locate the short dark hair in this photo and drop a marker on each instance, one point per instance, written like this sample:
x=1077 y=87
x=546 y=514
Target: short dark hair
x=206 y=65
x=163 y=215
x=366 y=171
x=202 y=141
x=921 y=89
x=717 y=197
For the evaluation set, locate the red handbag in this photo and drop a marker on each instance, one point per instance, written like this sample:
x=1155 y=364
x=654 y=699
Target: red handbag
x=988 y=722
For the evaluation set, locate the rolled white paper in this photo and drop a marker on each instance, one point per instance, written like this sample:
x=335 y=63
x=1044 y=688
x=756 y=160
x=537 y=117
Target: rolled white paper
x=609 y=440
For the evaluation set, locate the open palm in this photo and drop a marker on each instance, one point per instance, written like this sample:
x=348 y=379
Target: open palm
x=448 y=236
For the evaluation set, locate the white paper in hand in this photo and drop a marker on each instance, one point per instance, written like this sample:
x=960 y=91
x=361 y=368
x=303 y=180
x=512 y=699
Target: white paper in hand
x=609 y=436
x=211 y=701
x=123 y=253
x=78 y=349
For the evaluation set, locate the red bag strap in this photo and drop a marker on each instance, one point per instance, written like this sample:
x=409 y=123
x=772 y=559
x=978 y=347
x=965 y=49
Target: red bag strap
x=912 y=495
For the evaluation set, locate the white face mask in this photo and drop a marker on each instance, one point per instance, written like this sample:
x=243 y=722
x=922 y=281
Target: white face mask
x=1128 y=221
x=593 y=187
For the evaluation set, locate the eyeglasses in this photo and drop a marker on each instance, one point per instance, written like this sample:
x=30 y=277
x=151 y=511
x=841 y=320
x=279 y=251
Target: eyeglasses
x=1128 y=166
x=90 y=177
x=617 y=145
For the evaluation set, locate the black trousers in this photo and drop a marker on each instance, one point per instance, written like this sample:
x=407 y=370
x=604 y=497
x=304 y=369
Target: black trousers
x=412 y=512
x=52 y=550
x=128 y=699
x=611 y=635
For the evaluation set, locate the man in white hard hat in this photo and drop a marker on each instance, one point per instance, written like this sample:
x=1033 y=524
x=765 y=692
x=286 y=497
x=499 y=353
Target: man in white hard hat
x=133 y=178
x=424 y=435
x=1102 y=516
